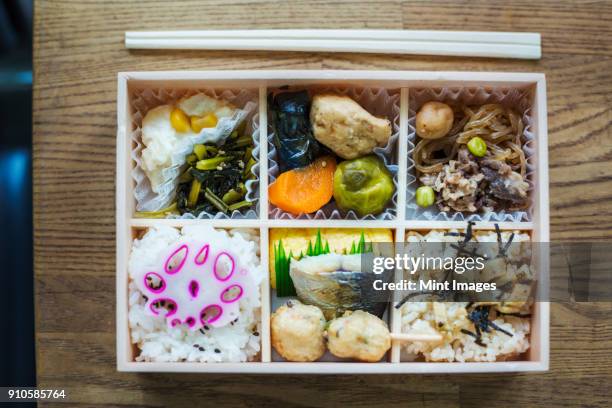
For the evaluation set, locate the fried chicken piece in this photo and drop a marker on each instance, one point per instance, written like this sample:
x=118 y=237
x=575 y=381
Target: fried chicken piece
x=345 y=127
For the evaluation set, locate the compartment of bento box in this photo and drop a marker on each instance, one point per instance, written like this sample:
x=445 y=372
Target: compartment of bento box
x=470 y=187
x=380 y=102
x=316 y=277
x=504 y=335
x=237 y=124
x=231 y=331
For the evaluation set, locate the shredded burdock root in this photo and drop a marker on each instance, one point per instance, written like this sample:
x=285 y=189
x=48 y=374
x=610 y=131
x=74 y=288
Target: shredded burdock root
x=469 y=184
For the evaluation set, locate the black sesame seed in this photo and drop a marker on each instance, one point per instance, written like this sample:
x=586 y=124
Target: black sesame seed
x=255 y=333
x=217 y=351
x=206 y=327
x=201 y=349
x=196 y=345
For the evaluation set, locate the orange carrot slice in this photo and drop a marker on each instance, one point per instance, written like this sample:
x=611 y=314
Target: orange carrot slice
x=304 y=190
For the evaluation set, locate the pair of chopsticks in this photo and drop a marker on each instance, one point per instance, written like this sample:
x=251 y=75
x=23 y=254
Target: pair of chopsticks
x=452 y=43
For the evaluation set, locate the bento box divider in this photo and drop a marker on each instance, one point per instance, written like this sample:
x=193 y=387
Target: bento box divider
x=264 y=256
x=394 y=314
x=263 y=155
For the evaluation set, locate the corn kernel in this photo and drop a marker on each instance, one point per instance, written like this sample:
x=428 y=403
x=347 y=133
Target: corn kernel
x=179 y=121
x=200 y=122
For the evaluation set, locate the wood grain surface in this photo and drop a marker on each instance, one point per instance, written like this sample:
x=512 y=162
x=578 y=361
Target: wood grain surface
x=78 y=50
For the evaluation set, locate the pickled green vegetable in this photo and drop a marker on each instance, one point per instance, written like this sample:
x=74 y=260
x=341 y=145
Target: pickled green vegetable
x=200 y=151
x=211 y=164
x=234 y=195
x=363 y=185
x=194 y=193
x=216 y=176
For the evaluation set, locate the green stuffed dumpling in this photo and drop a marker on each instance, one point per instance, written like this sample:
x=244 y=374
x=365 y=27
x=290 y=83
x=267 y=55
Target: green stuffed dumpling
x=363 y=185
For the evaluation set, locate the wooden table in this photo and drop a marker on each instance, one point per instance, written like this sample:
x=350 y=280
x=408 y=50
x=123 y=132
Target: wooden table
x=78 y=50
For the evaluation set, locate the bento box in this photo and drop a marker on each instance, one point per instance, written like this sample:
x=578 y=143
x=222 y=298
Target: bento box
x=225 y=249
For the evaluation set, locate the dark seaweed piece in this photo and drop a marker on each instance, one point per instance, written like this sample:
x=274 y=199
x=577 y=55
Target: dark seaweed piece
x=462 y=250
x=454 y=234
x=290 y=118
x=499 y=237
x=461 y=247
x=468 y=232
x=480 y=318
x=507 y=246
x=503 y=249
x=523 y=315
x=476 y=335
x=411 y=295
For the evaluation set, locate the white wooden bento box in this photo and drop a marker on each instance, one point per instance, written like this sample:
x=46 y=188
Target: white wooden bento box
x=537 y=358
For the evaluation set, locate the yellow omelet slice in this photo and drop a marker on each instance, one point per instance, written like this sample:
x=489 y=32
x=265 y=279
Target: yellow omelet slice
x=295 y=240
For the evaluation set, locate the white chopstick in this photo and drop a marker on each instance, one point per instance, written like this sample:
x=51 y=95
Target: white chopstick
x=407 y=337
x=454 y=43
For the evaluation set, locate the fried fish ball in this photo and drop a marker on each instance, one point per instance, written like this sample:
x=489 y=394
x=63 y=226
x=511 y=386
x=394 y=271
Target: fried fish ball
x=297 y=332
x=359 y=335
x=434 y=120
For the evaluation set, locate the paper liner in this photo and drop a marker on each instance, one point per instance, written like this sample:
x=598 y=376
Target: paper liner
x=520 y=100
x=142 y=100
x=379 y=102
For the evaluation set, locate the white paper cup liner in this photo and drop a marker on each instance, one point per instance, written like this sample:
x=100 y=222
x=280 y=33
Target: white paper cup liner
x=142 y=100
x=518 y=99
x=379 y=102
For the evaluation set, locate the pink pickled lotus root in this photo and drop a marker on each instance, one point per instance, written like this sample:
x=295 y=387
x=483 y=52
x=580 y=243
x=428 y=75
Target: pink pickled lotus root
x=196 y=283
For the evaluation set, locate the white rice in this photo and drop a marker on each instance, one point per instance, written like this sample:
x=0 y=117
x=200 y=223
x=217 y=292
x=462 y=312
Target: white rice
x=158 y=342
